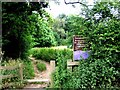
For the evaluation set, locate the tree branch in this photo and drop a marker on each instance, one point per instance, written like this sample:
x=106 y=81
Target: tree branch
x=75 y=3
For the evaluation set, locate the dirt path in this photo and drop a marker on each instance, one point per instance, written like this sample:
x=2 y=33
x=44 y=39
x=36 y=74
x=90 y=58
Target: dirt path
x=40 y=75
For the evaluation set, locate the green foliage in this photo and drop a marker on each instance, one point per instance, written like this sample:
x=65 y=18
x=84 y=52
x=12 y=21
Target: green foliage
x=43 y=34
x=40 y=66
x=60 y=74
x=58 y=29
x=73 y=26
x=48 y=54
x=28 y=70
x=102 y=68
x=18 y=28
x=13 y=72
x=96 y=74
x=106 y=57
x=18 y=38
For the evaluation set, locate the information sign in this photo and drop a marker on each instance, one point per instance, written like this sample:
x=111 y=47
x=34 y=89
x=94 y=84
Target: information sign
x=78 y=46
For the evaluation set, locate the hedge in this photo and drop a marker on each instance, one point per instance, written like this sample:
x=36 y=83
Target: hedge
x=48 y=54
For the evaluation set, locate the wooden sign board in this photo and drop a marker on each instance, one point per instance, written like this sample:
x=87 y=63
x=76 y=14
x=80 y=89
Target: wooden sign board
x=79 y=44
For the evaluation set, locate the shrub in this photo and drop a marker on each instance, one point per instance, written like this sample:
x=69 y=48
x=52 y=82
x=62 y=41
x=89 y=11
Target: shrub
x=60 y=75
x=48 y=54
x=41 y=66
x=89 y=74
x=101 y=69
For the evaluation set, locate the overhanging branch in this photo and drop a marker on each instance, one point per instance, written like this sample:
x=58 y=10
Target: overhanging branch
x=75 y=3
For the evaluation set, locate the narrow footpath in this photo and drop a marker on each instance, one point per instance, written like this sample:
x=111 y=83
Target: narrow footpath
x=40 y=75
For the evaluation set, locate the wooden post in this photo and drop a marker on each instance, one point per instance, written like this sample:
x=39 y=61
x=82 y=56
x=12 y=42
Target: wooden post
x=52 y=64
x=21 y=71
x=69 y=67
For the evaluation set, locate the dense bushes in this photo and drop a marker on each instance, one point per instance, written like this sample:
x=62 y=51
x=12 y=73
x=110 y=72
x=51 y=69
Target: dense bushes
x=89 y=74
x=40 y=66
x=105 y=48
x=27 y=29
x=60 y=75
x=43 y=34
x=48 y=54
x=102 y=68
x=16 y=37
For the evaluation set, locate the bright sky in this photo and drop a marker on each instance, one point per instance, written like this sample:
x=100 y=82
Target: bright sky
x=56 y=9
